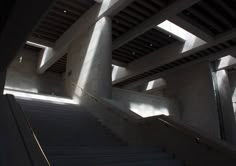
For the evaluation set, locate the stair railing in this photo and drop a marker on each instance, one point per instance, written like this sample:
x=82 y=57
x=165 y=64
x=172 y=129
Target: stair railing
x=186 y=142
x=32 y=146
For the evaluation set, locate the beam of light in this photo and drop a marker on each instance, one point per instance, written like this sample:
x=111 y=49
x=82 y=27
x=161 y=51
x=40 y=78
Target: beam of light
x=31 y=96
x=191 y=41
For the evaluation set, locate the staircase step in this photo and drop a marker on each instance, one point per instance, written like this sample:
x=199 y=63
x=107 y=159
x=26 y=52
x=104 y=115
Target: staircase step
x=157 y=162
x=71 y=136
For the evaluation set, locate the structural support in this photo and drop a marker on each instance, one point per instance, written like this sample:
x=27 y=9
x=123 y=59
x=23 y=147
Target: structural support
x=192 y=29
x=161 y=16
x=171 y=53
x=2 y=81
x=226 y=105
x=105 y=9
x=90 y=60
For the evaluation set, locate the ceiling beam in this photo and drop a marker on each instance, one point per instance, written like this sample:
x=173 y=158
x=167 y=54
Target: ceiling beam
x=167 y=55
x=211 y=57
x=192 y=29
x=106 y=8
x=171 y=10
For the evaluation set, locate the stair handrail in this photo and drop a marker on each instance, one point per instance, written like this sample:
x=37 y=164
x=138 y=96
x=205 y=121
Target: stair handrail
x=196 y=136
x=32 y=145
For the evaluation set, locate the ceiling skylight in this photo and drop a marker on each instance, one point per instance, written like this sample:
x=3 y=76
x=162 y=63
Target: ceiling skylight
x=191 y=41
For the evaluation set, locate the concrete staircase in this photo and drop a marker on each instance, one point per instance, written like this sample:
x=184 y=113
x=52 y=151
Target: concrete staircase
x=71 y=136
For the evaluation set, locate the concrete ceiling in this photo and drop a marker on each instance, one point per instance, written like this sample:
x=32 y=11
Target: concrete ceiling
x=136 y=13
x=59 y=18
x=59 y=66
x=134 y=29
x=180 y=62
x=142 y=45
x=212 y=16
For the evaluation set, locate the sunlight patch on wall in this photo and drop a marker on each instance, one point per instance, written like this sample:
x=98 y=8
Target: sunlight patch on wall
x=31 y=96
x=226 y=61
x=36 y=44
x=190 y=40
x=31 y=90
x=105 y=5
x=117 y=72
x=147 y=110
x=89 y=57
x=156 y=84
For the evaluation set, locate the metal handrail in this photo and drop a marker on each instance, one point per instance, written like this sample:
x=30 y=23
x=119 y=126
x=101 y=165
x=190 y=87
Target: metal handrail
x=197 y=137
x=35 y=152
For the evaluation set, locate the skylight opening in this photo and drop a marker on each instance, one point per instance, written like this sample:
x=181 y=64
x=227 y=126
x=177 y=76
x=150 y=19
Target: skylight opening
x=190 y=40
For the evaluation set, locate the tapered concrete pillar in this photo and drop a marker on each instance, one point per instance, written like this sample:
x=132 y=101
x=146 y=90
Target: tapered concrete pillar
x=2 y=81
x=90 y=60
x=226 y=105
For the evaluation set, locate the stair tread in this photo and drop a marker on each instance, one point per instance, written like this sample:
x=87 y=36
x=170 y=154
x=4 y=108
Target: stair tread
x=70 y=135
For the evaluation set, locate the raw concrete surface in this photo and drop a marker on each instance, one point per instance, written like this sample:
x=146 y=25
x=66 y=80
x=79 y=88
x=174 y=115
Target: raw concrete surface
x=145 y=105
x=192 y=87
x=23 y=76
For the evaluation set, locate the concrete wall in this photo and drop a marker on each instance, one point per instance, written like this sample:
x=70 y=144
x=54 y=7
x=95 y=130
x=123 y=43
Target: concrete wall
x=23 y=76
x=89 y=60
x=145 y=105
x=192 y=87
x=232 y=81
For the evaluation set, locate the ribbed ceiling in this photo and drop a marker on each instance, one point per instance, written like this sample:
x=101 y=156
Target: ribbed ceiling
x=136 y=13
x=32 y=48
x=60 y=17
x=212 y=16
x=143 y=45
x=196 y=56
x=59 y=66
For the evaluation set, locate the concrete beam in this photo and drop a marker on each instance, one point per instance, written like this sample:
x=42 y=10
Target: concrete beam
x=24 y=16
x=166 y=55
x=104 y=9
x=154 y=59
x=209 y=58
x=225 y=96
x=226 y=62
x=161 y=16
x=192 y=29
x=41 y=41
x=118 y=63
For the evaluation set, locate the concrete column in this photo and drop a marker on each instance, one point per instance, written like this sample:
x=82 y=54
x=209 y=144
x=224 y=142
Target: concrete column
x=90 y=60
x=2 y=81
x=226 y=105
